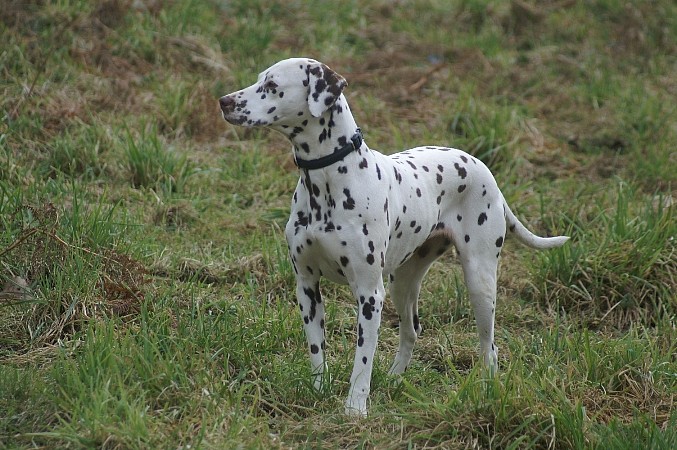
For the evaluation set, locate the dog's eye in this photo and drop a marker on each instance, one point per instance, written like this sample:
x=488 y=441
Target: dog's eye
x=270 y=84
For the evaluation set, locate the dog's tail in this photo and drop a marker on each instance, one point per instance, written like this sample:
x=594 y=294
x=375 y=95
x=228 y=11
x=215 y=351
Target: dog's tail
x=527 y=237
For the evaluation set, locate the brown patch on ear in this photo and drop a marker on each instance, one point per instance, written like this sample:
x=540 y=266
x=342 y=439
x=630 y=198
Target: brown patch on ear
x=325 y=86
x=335 y=82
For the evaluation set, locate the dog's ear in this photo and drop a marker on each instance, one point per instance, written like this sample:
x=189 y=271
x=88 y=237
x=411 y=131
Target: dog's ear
x=324 y=87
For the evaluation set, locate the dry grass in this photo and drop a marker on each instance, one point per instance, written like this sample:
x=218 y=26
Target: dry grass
x=41 y=307
x=147 y=298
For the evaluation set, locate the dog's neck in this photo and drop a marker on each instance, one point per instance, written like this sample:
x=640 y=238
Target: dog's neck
x=317 y=137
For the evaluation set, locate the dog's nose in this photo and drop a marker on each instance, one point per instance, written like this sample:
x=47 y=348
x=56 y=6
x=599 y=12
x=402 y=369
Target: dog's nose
x=227 y=104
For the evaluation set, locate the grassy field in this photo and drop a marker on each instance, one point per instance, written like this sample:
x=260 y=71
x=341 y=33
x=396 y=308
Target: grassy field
x=147 y=299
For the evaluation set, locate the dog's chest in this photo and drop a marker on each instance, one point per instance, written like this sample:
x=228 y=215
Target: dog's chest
x=338 y=221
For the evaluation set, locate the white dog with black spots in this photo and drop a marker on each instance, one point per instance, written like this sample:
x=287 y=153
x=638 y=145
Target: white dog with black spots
x=358 y=216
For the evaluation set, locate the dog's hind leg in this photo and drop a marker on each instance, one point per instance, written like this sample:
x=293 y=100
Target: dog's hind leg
x=404 y=291
x=480 y=266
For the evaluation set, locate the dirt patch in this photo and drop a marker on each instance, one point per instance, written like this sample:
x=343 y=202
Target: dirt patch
x=52 y=286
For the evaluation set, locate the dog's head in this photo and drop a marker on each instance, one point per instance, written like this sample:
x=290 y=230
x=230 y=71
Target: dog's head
x=285 y=92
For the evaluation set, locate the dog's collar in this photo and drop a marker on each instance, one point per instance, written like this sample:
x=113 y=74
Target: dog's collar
x=338 y=155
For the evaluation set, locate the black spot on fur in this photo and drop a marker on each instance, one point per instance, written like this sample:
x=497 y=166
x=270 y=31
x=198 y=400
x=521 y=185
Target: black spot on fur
x=320 y=86
x=481 y=219
x=302 y=219
x=315 y=298
x=461 y=171
x=398 y=176
x=367 y=310
x=349 y=202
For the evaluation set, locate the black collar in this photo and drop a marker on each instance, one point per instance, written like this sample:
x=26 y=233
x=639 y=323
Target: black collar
x=338 y=155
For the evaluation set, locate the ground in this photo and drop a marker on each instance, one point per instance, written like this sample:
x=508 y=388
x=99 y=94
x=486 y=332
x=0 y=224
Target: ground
x=147 y=300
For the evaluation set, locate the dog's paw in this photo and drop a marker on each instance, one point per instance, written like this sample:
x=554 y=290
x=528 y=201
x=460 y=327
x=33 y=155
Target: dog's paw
x=356 y=406
x=399 y=366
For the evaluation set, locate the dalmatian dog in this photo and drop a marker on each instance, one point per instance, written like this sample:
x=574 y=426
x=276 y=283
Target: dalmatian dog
x=358 y=216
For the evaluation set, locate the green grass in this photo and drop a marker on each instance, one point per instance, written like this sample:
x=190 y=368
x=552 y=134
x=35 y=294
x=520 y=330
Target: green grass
x=151 y=165
x=147 y=300
x=616 y=270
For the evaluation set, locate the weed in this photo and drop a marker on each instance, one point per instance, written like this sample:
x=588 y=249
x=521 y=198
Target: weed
x=63 y=273
x=77 y=153
x=621 y=270
x=150 y=165
x=486 y=132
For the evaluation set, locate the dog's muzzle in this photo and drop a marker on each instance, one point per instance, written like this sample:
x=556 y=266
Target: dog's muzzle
x=227 y=104
x=229 y=107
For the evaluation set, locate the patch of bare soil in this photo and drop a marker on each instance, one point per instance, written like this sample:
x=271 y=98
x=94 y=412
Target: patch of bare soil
x=51 y=286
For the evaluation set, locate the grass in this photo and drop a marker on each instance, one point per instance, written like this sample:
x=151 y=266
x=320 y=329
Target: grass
x=146 y=298
x=150 y=165
x=617 y=272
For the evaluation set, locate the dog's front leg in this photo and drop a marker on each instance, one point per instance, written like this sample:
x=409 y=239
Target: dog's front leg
x=312 y=314
x=370 y=305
